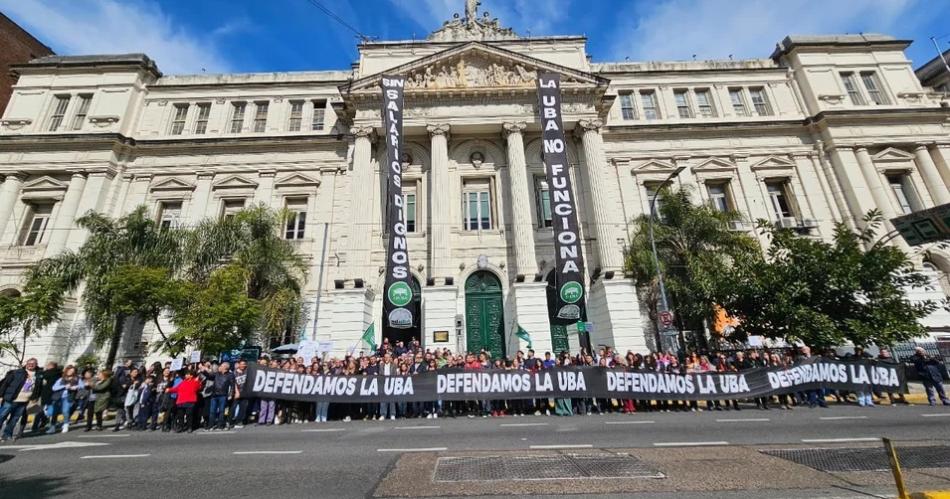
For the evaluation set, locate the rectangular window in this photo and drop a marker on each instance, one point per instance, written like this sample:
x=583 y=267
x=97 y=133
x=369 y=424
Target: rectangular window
x=719 y=196
x=760 y=101
x=59 y=111
x=81 y=112
x=705 y=103
x=778 y=199
x=260 y=117
x=201 y=121
x=178 y=121
x=476 y=207
x=650 y=108
x=319 y=115
x=682 y=103
x=37 y=221
x=873 y=86
x=627 y=109
x=851 y=86
x=169 y=216
x=296 y=219
x=900 y=189
x=542 y=202
x=237 y=116
x=738 y=102
x=231 y=207
x=296 y=116
x=651 y=189
x=409 y=207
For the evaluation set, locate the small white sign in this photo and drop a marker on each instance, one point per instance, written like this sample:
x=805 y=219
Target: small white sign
x=195 y=357
x=307 y=349
x=755 y=341
x=324 y=347
x=177 y=363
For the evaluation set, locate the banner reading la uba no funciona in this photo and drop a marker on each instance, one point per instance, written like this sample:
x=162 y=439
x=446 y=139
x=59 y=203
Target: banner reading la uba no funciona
x=580 y=382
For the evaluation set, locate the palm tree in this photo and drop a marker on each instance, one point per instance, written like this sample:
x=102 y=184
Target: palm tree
x=133 y=240
x=695 y=246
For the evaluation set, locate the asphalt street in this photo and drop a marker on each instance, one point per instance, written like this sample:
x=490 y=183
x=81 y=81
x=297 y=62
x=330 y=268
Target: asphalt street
x=357 y=459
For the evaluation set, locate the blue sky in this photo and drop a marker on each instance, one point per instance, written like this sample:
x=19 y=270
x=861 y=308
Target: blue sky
x=187 y=36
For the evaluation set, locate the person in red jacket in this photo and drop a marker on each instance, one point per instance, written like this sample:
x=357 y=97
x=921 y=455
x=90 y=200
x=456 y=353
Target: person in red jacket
x=187 y=397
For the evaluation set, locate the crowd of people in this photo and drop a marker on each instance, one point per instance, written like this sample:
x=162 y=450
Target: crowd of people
x=208 y=395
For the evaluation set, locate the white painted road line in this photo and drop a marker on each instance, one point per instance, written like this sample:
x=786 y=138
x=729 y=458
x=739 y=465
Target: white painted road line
x=217 y=432
x=431 y=427
x=115 y=456
x=688 y=444
x=253 y=452
x=114 y=435
x=563 y=446
x=519 y=425
x=629 y=422
x=59 y=445
x=323 y=430
x=841 y=418
x=938 y=415
x=746 y=420
x=419 y=449
x=838 y=440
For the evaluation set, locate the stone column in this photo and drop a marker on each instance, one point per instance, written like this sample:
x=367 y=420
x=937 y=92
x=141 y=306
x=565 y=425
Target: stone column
x=521 y=225
x=198 y=208
x=9 y=194
x=361 y=202
x=265 y=187
x=93 y=199
x=853 y=185
x=440 y=212
x=875 y=183
x=609 y=255
x=928 y=169
x=941 y=156
x=66 y=215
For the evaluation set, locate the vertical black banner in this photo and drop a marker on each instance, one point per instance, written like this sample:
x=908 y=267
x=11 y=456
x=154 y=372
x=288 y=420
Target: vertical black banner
x=569 y=259
x=398 y=291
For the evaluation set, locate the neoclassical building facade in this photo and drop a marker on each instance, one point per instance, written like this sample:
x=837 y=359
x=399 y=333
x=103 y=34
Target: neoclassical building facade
x=826 y=129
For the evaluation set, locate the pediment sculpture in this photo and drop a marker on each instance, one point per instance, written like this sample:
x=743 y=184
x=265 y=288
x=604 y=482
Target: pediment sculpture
x=472 y=74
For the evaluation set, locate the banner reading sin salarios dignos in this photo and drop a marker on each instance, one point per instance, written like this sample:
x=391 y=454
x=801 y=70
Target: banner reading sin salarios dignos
x=590 y=382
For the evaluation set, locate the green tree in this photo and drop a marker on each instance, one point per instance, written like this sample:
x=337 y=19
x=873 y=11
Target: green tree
x=696 y=248
x=216 y=315
x=112 y=245
x=23 y=315
x=827 y=293
x=144 y=292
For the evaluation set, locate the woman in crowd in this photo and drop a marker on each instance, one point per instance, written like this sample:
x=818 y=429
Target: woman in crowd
x=101 y=399
x=64 y=396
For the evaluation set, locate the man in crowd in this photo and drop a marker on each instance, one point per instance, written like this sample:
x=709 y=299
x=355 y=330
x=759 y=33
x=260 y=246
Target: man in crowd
x=222 y=388
x=931 y=374
x=18 y=388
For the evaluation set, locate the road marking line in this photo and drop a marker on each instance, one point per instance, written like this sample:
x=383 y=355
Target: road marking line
x=250 y=452
x=323 y=430
x=115 y=456
x=562 y=446
x=118 y=435
x=939 y=415
x=740 y=420
x=217 y=433
x=59 y=445
x=841 y=418
x=519 y=425
x=688 y=444
x=629 y=422
x=434 y=427
x=836 y=440
x=418 y=449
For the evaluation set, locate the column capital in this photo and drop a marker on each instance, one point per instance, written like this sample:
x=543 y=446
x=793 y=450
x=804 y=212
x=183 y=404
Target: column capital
x=439 y=129
x=510 y=127
x=922 y=145
x=76 y=173
x=17 y=175
x=363 y=132
x=204 y=175
x=592 y=125
x=861 y=147
x=267 y=173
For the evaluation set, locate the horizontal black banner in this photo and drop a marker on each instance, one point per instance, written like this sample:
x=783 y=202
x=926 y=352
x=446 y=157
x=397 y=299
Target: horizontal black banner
x=576 y=382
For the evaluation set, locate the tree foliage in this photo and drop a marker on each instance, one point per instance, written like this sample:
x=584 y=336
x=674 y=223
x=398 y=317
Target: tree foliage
x=826 y=293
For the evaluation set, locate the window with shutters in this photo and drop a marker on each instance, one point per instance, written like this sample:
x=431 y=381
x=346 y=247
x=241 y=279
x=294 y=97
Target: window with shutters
x=296 y=116
x=651 y=189
x=178 y=120
x=681 y=96
x=82 y=110
x=719 y=195
x=59 y=112
x=851 y=86
x=627 y=108
x=237 y=116
x=260 y=116
x=705 y=103
x=738 y=102
x=319 y=115
x=201 y=120
x=760 y=101
x=651 y=109
x=873 y=86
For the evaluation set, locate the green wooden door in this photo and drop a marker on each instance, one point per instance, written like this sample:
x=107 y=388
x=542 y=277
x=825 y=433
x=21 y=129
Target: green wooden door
x=484 y=314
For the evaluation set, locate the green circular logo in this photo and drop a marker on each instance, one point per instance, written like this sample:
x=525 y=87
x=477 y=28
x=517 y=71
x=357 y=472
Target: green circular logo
x=572 y=292
x=400 y=294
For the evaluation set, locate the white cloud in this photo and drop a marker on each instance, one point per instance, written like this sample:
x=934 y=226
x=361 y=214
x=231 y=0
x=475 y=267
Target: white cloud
x=714 y=29
x=113 y=27
x=526 y=16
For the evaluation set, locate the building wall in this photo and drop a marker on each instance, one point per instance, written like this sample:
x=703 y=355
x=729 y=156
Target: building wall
x=17 y=46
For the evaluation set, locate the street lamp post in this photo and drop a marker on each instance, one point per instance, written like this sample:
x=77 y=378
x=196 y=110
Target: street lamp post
x=664 y=306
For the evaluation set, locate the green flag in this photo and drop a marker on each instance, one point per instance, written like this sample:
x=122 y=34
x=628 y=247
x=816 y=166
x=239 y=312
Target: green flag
x=369 y=336
x=521 y=333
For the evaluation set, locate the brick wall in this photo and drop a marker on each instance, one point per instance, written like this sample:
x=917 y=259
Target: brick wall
x=16 y=47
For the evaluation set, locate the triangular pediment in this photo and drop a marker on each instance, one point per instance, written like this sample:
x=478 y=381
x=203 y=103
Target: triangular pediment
x=475 y=66
x=297 y=180
x=173 y=184
x=235 y=182
x=654 y=165
x=715 y=164
x=44 y=183
x=892 y=154
x=773 y=162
